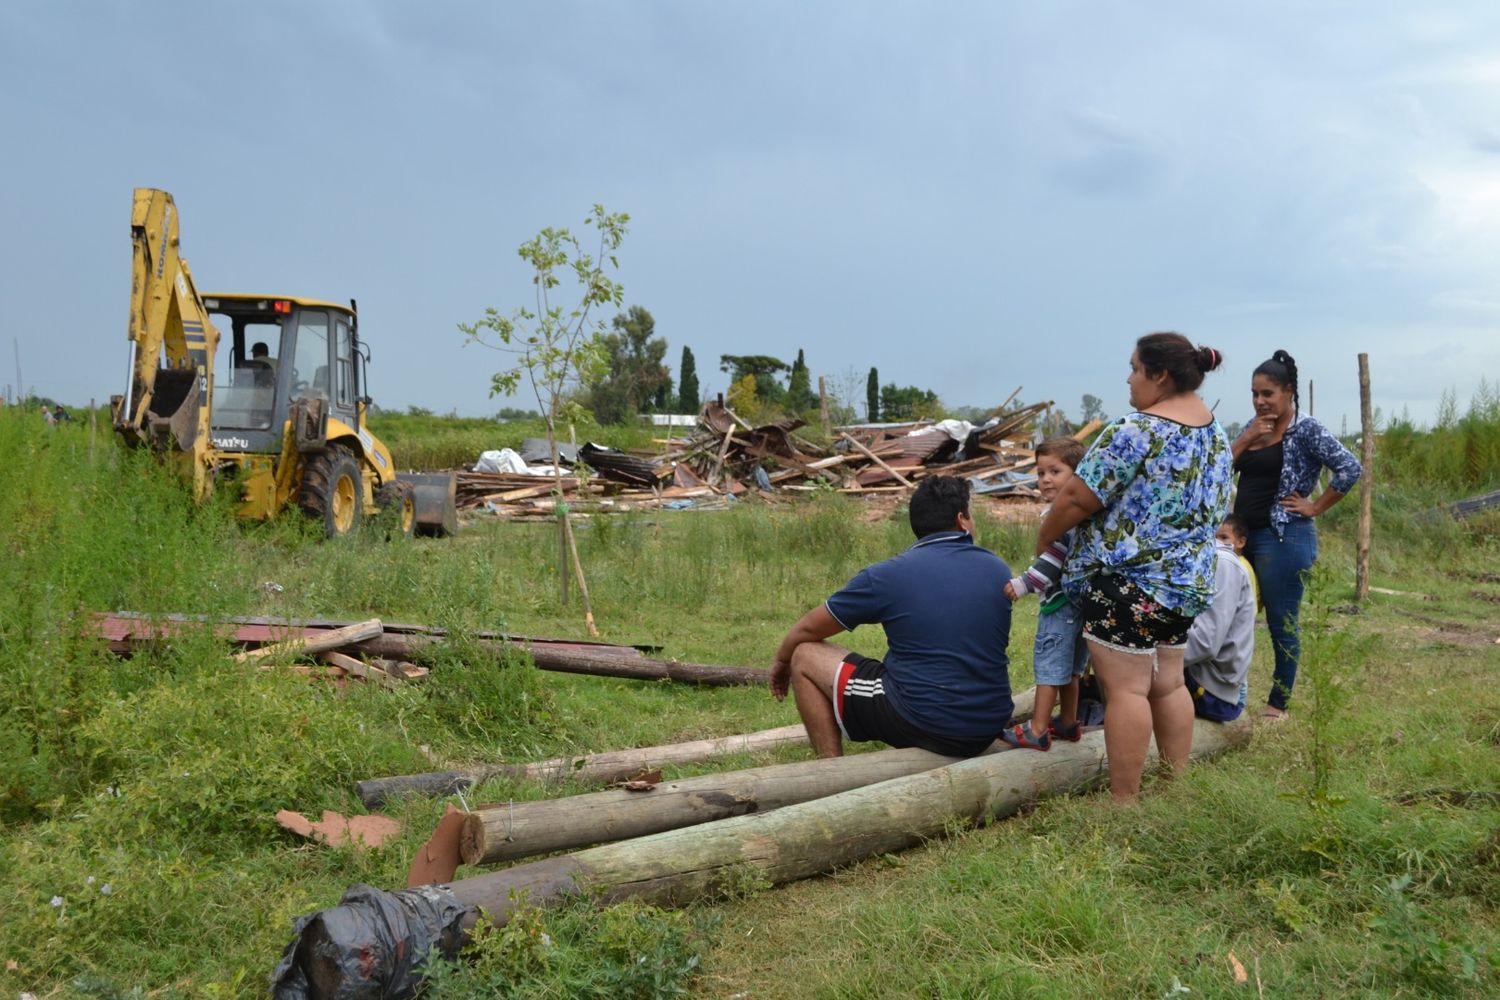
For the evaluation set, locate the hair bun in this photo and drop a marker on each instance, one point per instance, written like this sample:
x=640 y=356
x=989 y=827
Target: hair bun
x=1283 y=358
x=1209 y=358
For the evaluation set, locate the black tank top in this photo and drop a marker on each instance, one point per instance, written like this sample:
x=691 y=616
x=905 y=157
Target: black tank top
x=1260 y=474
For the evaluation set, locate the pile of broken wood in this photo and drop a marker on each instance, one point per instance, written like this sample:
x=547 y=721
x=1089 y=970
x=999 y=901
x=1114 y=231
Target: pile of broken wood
x=726 y=457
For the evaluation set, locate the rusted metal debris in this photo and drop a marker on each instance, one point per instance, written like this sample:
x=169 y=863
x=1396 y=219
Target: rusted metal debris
x=727 y=457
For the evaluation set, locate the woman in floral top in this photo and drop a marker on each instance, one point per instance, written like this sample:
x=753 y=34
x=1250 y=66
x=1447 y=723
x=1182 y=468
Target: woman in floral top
x=1147 y=498
x=1279 y=458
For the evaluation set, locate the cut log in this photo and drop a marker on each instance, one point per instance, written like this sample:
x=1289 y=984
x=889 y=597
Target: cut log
x=315 y=643
x=680 y=866
x=611 y=766
x=512 y=830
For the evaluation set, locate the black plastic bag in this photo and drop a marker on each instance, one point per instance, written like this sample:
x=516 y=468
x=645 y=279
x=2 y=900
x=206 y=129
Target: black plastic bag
x=369 y=947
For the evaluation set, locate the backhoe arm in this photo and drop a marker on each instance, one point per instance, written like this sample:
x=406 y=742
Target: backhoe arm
x=168 y=405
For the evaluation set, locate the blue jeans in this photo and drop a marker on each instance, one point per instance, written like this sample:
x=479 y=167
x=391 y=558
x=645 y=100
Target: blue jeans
x=1281 y=566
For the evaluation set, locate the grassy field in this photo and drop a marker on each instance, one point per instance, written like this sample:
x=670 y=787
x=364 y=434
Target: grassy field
x=1353 y=850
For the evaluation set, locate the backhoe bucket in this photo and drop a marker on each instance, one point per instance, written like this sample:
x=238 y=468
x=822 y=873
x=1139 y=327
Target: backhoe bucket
x=436 y=506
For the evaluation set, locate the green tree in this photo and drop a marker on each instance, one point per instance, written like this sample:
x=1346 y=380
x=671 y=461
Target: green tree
x=799 y=395
x=765 y=369
x=908 y=402
x=635 y=379
x=688 y=396
x=872 y=396
x=557 y=347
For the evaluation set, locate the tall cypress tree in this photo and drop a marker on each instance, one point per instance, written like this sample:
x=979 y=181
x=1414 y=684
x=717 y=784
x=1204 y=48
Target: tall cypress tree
x=799 y=394
x=872 y=396
x=687 y=383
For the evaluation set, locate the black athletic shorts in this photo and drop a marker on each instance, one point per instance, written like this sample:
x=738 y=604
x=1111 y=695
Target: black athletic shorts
x=864 y=712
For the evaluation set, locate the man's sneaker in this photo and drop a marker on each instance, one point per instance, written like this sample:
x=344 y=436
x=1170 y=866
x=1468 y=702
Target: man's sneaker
x=1022 y=736
x=1072 y=735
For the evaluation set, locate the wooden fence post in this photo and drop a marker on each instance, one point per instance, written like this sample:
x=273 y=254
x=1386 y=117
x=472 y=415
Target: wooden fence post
x=1366 y=484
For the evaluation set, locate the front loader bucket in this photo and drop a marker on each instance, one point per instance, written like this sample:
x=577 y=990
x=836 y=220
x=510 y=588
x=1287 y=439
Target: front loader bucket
x=433 y=494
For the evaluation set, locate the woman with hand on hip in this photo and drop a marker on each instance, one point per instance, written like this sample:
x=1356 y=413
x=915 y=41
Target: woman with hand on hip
x=1147 y=499
x=1279 y=457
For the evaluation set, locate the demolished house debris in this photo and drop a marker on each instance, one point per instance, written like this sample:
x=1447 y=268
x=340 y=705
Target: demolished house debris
x=726 y=457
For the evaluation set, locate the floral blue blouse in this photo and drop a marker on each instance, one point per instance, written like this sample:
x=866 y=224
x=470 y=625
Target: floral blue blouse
x=1307 y=447
x=1165 y=489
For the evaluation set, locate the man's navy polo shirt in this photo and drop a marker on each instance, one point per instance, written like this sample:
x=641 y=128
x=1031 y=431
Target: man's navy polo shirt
x=947 y=623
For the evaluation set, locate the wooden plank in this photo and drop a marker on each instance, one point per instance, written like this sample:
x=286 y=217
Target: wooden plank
x=878 y=461
x=316 y=643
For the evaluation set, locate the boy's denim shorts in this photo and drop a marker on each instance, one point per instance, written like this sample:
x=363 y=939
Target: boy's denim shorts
x=1060 y=653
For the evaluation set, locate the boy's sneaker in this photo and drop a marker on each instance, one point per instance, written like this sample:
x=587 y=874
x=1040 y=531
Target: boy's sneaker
x=1072 y=735
x=1022 y=736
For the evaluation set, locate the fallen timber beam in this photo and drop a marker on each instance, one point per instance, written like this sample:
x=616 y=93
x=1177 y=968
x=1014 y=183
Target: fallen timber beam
x=579 y=661
x=614 y=765
x=314 y=642
x=676 y=867
x=124 y=628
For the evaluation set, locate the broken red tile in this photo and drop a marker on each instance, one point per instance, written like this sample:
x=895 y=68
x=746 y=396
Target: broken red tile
x=336 y=829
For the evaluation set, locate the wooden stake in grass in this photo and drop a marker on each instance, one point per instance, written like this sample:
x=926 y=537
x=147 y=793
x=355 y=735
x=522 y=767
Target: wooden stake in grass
x=1366 y=484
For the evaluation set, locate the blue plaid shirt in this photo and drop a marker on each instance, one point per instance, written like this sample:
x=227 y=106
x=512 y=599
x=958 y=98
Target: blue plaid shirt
x=1307 y=447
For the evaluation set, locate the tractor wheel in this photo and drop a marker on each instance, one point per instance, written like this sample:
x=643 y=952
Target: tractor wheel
x=398 y=510
x=332 y=492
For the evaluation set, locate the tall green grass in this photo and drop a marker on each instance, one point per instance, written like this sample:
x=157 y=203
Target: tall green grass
x=1460 y=452
x=158 y=775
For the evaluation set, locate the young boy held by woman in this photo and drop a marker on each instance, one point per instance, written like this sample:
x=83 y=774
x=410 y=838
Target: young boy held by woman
x=1060 y=654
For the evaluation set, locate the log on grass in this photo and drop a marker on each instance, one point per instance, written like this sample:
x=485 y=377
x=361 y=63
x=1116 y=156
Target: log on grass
x=614 y=765
x=517 y=829
x=574 y=661
x=504 y=832
x=680 y=866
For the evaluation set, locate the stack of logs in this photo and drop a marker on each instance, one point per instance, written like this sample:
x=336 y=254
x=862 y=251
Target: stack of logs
x=722 y=459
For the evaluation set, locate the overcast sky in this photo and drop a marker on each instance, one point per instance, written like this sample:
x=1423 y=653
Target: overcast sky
x=968 y=196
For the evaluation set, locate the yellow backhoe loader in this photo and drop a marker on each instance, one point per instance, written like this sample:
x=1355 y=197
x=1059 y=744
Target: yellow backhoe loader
x=259 y=393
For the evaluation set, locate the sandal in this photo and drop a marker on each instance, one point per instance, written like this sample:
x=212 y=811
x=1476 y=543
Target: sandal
x=1072 y=734
x=1021 y=737
x=1273 y=714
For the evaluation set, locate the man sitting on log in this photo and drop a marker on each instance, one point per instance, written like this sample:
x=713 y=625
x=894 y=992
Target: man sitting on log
x=945 y=682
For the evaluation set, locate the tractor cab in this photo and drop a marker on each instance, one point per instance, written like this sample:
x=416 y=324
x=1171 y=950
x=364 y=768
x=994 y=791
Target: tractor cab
x=272 y=351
